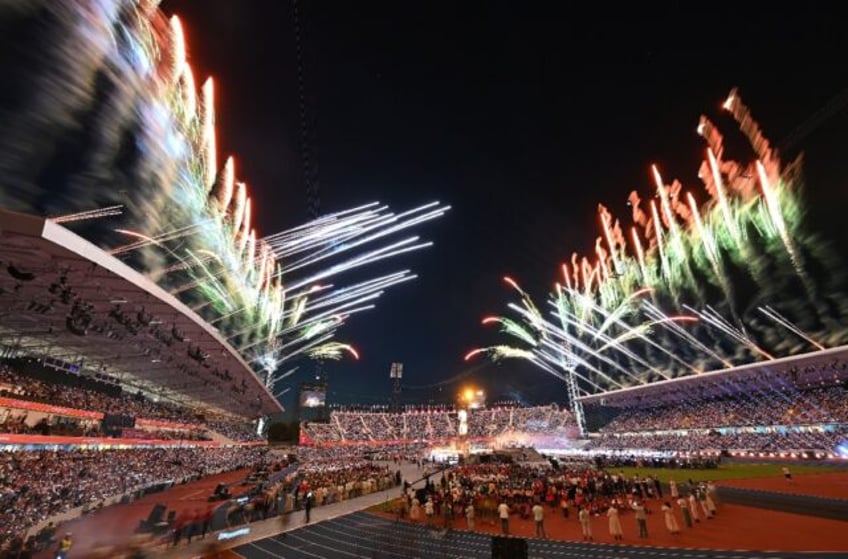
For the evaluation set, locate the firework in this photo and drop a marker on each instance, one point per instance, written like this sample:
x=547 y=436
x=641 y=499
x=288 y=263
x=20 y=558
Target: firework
x=695 y=287
x=188 y=221
x=90 y=214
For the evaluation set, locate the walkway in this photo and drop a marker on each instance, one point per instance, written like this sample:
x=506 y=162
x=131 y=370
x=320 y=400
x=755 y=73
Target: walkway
x=273 y=526
x=367 y=536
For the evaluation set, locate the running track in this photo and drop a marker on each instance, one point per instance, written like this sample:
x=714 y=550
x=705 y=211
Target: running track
x=366 y=536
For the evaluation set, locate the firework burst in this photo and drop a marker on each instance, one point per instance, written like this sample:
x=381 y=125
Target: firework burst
x=119 y=70
x=690 y=287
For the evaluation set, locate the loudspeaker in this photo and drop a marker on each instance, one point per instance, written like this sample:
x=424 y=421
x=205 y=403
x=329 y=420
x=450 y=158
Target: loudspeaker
x=508 y=548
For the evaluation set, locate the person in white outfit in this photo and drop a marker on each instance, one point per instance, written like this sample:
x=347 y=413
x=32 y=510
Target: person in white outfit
x=614 y=523
x=670 y=520
x=712 y=491
x=585 y=523
x=503 y=514
x=539 y=519
x=693 y=508
x=429 y=511
x=702 y=500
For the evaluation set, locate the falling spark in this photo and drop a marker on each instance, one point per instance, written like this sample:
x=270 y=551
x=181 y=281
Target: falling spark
x=190 y=220
x=629 y=314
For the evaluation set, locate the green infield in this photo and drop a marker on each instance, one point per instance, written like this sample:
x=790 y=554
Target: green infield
x=728 y=471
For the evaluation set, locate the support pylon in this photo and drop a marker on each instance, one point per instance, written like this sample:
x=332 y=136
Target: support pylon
x=576 y=405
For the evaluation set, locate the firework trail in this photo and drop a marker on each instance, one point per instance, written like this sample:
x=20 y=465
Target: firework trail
x=113 y=123
x=90 y=214
x=694 y=287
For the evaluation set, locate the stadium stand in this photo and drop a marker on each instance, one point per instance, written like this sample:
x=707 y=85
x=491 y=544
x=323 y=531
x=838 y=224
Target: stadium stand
x=77 y=406
x=37 y=485
x=434 y=425
x=791 y=406
x=92 y=351
x=67 y=299
x=108 y=384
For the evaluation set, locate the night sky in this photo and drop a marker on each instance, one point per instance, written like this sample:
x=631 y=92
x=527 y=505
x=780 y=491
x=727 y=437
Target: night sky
x=523 y=118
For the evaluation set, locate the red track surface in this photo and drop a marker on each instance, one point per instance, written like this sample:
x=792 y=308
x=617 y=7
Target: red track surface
x=116 y=525
x=819 y=485
x=735 y=527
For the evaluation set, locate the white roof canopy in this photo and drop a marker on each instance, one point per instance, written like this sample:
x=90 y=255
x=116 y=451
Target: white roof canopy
x=807 y=369
x=61 y=296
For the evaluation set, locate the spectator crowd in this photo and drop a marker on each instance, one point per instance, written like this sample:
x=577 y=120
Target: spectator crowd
x=756 y=408
x=761 y=417
x=431 y=425
x=37 y=485
x=186 y=424
x=16 y=384
x=813 y=439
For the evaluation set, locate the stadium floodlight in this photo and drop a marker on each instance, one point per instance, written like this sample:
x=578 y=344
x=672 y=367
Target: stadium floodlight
x=472 y=398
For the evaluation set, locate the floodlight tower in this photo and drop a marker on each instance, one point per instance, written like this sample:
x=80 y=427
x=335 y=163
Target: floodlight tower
x=323 y=380
x=396 y=373
x=263 y=421
x=571 y=384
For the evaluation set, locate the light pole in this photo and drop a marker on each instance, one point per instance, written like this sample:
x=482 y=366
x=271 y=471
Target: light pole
x=396 y=374
x=576 y=405
x=569 y=364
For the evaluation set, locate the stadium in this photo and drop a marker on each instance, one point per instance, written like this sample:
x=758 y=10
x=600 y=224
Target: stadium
x=696 y=357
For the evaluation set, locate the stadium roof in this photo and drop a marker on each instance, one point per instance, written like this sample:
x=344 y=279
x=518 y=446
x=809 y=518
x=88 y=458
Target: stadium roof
x=815 y=368
x=63 y=297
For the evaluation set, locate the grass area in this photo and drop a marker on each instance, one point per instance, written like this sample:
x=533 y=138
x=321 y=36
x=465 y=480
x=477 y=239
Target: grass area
x=728 y=471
